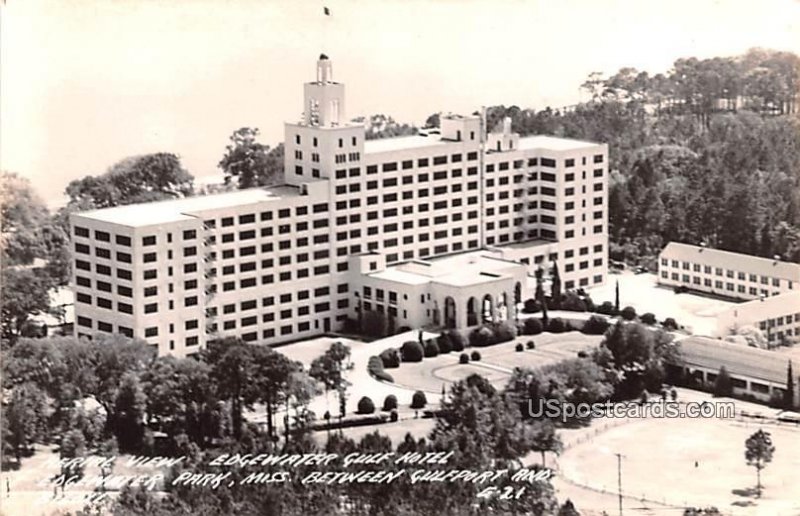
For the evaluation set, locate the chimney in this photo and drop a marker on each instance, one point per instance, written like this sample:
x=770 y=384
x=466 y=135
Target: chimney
x=507 y=126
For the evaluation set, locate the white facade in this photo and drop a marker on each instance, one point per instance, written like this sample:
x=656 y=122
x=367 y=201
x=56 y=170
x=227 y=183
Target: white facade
x=778 y=317
x=272 y=264
x=725 y=273
x=455 y=292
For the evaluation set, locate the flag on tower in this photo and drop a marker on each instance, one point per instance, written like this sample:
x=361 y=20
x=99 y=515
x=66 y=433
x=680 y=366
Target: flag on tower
x=326 y=11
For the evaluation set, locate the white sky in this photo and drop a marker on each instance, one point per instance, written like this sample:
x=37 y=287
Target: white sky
x=85 y=83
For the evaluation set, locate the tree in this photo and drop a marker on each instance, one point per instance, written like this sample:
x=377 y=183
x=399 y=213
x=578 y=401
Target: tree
x=72 y=446
x=129 y=414
x=250 y=161
x=26 y=416
x=555 y=284
x=758 y=453
x=723 y=388
x=145 y=178
x=788 y=401
x=271 y=373
x=233 y=370
x=22 y=213
x=412 y=351
x=25 y=293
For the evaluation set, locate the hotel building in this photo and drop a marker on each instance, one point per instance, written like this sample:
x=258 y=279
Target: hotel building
x=278 y=264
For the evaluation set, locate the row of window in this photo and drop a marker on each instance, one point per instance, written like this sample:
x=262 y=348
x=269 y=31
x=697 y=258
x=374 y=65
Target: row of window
x=728 y=273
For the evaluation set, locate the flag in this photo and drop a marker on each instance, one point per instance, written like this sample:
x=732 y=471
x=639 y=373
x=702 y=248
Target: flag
x=326 y=11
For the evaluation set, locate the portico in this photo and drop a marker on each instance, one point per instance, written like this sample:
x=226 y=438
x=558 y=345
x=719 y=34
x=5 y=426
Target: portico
x=456 y=292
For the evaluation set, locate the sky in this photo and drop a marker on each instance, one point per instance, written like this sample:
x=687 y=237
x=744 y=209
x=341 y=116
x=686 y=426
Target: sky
x=85 y=83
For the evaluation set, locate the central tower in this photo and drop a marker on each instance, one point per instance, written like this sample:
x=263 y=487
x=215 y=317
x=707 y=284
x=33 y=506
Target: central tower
x=324 y=98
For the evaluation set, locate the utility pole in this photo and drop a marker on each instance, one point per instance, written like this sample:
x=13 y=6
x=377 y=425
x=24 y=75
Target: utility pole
x=619 y=480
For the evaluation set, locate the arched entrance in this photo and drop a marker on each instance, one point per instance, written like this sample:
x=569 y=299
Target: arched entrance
x=472 y=312
x=487 y=309
x=449 y=313
x=502 y=307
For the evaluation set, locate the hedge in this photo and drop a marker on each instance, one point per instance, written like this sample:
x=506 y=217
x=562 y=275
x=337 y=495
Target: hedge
x=628 y=313
x=390 y=402
x=412 y=351
x=596 y=325
x=431 y=349
x=390 y=358
x=532 y=326
x=375 y=368
x=444 y=343
x=418 y=400
x=556 y=325
x=366 y=406
x=457 y=340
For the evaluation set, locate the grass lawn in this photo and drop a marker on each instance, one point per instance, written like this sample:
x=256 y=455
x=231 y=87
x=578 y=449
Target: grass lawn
x=659 y=463
x=497 y=362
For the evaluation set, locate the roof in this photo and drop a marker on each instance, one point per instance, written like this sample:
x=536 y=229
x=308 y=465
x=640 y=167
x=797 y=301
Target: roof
x=552 y=143
x=733 y=261
x=472 y=268
x=402 y=143
x=189 y=208
x=739 y=360
x=771 y=306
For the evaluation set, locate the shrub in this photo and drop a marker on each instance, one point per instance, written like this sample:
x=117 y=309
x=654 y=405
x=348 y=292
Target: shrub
x=463 y=358
x=475 y=356
x=556 y=325
x=393 y=416
x=390 y=402
x=519 y=347
x=648 y=318
x=670 y=324
x=531 y=306
x=481 y=337
x=628 y=313
x=582 y=354
x=431 y=348
x=375 y=368
x=444 y=343
x=596 y=325
x=530 y=345
x=365 y=406
x=412 y=351
x=418 y=400
x=532 y=326
x=403 y=329
x=571 y=302
x=504 y=331
x=457 y=341
x=390 y=358
x=607 y=308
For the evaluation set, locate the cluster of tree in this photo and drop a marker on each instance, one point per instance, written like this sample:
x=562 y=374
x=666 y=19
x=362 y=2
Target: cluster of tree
x=30 y=237
x=483 y=428
x=384 y=126
x=761 y=80
x=31 y=232
x=729 y=178
x=250 y=162
x=51 y=382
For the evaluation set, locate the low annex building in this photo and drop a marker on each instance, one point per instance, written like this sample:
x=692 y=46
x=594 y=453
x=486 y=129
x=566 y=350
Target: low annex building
x=724 y=273
x=778 y=318
x=757 y=372
x=455 y=292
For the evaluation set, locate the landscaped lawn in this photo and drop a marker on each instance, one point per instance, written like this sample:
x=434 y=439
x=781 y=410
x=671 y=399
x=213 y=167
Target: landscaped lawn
x=497 y=362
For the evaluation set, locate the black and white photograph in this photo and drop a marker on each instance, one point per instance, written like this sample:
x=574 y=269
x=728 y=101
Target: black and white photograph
x=400 y=257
